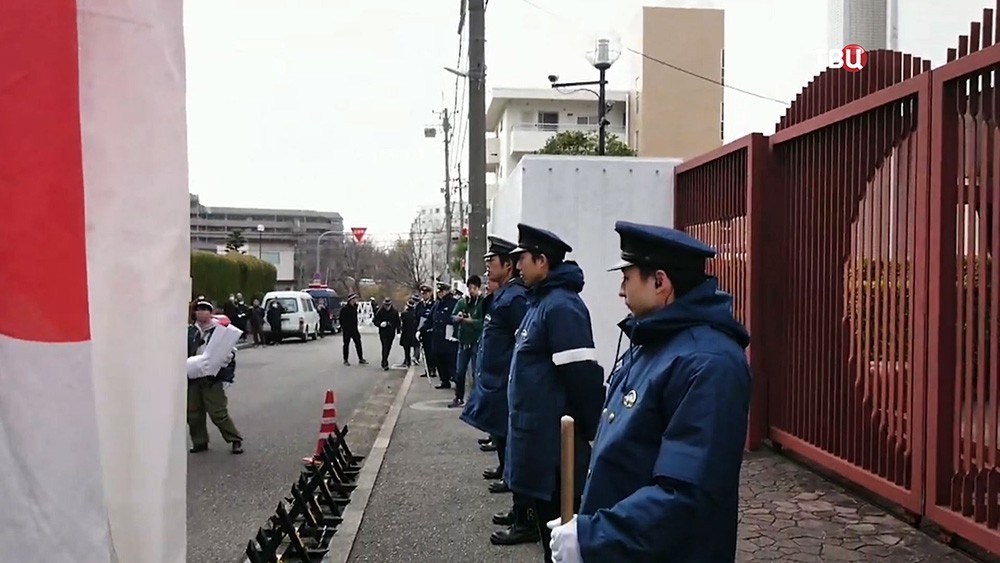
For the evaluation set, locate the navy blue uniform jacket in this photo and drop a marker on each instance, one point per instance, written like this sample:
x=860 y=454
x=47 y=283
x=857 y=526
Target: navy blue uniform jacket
x=553 y=373
x=664 y=478
x=444 y=341
x=487 y=407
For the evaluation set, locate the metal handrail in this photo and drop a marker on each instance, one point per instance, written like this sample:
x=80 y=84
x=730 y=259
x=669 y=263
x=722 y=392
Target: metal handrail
x=561 y=127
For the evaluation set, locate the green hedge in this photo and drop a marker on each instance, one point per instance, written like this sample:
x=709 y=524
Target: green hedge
x=217 y=276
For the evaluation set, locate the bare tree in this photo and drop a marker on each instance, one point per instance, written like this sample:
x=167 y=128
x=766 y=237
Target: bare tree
x=405 y=266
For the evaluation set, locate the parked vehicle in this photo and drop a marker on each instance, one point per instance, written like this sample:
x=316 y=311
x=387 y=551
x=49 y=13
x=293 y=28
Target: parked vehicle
x=300 y=318
x=320 y=292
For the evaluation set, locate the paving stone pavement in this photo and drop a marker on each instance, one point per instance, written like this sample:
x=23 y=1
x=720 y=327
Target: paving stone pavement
x=789 y=513
x=430 y=504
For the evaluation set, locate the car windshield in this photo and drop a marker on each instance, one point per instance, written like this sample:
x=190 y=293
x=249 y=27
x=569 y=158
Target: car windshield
x=290 y=304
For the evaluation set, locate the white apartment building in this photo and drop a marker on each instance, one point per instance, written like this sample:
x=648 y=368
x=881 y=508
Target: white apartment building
x=521 y=120
x=427 y=231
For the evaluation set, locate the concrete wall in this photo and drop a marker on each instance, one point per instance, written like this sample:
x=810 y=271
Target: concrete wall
x=580 y=198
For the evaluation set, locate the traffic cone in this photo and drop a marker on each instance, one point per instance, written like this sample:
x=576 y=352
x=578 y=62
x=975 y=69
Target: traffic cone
x=326 y=427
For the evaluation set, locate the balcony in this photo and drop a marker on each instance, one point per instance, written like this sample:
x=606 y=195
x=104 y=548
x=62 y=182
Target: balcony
x=530 y=137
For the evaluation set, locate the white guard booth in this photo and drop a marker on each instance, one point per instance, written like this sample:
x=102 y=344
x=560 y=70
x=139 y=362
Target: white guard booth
x=579 y=199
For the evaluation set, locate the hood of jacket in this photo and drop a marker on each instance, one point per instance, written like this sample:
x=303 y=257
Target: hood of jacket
x=704 y=305
x=567 y=275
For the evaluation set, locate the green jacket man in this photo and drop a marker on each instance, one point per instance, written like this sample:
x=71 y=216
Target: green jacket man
x=468 y=313
x=468 y=332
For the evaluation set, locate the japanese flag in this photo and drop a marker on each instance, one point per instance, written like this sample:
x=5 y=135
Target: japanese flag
x=93 y=281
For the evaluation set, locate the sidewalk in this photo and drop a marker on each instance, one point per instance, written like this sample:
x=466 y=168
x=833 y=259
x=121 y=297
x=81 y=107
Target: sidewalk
x=430 y=503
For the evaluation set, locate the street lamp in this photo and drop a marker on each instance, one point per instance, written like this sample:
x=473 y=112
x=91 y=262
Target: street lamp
x=603 y=54
x=260 y=242
x=319 y=238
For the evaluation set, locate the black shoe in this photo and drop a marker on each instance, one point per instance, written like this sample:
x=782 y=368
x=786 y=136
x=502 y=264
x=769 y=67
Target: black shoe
x=363 y=362
x=237 y=448
x=198 y=449
x=516 y=534
x=423 y=375
x=346 y=363
x=385 y=368
x=499 y=488
x=504 y=518
x=443 y=386
x=493 y=474
x=456 y=403
x=485 y=440
x=490 y=447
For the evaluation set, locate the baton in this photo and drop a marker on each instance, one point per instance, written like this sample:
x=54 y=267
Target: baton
x=566 y=505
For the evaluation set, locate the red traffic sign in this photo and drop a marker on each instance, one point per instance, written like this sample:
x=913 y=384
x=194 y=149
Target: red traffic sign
x=465 y=232
x=359 y=233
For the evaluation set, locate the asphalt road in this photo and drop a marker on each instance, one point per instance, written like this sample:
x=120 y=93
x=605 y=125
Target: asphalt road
x=276 y=403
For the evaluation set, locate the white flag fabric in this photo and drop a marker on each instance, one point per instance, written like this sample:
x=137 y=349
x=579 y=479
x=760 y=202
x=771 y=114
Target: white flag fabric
x=93 y=281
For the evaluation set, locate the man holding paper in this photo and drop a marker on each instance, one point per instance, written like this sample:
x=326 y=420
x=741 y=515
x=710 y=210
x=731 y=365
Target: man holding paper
x=211 y=366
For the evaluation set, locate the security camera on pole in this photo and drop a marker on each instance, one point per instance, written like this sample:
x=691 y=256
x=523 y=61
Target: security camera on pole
x=604 y=54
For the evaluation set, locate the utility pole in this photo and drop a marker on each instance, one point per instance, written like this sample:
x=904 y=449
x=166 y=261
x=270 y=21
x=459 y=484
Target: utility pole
x=477 y=130
x=446 y=126
x=461 y=202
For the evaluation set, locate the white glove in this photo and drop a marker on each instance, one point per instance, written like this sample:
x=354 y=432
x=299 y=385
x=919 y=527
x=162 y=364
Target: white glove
x=564 y=544
x=383 y=324
x=230 y=357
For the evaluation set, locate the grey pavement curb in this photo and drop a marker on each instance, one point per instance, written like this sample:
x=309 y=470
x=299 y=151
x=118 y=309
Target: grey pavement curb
x=343 y=541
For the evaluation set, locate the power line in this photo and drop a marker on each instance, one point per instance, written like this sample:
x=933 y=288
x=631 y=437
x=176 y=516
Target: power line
x=459 y=110
x=669 y=65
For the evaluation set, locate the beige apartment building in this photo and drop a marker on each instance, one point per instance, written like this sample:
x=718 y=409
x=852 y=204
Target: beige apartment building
x=671 y=113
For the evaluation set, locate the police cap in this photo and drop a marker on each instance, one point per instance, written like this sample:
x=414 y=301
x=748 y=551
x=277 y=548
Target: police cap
x=533 y=239
x=204 y=306
x=499 y=247
x=443 y=286
x=660 y=247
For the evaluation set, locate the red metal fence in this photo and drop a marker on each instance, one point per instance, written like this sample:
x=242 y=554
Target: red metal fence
x=860 y=242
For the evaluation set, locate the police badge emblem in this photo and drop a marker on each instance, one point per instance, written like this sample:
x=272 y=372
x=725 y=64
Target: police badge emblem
x=630 y=398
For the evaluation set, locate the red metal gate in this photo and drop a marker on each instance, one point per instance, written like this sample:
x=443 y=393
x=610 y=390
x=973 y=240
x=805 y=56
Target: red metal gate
x=868 y=228
x=716 y=197
x=963 y=474
x=849 y=394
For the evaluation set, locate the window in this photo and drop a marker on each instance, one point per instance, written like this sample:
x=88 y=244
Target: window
x=548 y=120
x=290 y=304
x=271 y=257
x=587 y=120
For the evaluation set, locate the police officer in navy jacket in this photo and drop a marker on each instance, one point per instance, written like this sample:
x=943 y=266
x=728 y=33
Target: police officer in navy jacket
x=664 y=476
x=444 y=335
x=487 y=406
x=425 y=328
x=553 y=373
